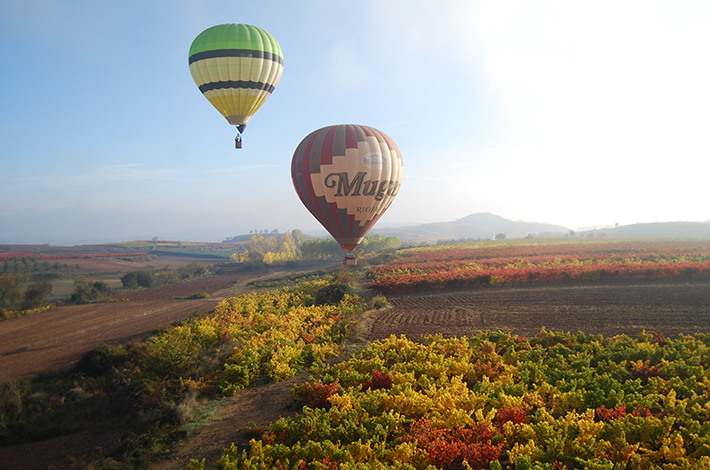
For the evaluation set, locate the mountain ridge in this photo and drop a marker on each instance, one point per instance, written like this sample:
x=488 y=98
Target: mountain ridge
x=485 y=225
x=482 y=225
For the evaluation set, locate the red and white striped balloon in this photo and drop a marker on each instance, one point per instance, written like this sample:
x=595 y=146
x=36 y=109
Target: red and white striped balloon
x=347 y=176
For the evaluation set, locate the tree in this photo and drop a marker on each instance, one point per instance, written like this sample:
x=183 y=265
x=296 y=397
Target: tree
x=192 y=270
x=500 y=236
x=130 y=280
x=36 y=294
x=377 y=243
x=298 y=237
x=261 y=250
x=86 y=290
x=332 y=293
x=10 y=291
x=321 y=248
x=145 y=278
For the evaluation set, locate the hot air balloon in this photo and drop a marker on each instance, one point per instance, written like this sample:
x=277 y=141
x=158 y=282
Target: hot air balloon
x=347 y=176
x=236 y=67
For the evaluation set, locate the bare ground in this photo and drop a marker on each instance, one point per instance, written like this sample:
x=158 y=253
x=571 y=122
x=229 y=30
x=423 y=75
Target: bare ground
x=608 y=310
x=55 y=339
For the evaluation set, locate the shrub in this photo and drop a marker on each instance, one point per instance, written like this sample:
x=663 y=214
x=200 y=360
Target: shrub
x=145 y=278
x=101 y=360
x=86 y=291
x=36 y=294
x=378 y=302
x=332 y=293
x=199 y=295
x=316 y=395
x=378 y=381
x=130 y=280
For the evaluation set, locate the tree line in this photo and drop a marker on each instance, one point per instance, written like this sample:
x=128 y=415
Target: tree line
x=25 y=264
x=87 y=290
x=292 y=246
x=13 y=297
x=162 y=277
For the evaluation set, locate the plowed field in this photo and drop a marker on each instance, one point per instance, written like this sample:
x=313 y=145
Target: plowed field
x=57 y=338
x=206 y=284
x=609 y=310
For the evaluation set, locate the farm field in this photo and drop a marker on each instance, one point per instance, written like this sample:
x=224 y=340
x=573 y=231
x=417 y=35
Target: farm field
x=60 y=266
x=608 y=310
x=55 y=339
x=210 y=284
x=608 y=305
x=536 y=262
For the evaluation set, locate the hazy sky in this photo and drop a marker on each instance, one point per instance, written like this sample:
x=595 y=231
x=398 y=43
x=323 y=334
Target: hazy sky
x=567 y=112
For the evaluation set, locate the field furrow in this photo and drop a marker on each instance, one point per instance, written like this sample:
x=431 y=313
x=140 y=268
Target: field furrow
x=608 y=310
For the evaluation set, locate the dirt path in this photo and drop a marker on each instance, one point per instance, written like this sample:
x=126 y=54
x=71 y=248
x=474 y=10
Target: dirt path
x=232 y=421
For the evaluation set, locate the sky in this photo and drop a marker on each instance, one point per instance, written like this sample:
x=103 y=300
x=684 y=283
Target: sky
x=575 y=113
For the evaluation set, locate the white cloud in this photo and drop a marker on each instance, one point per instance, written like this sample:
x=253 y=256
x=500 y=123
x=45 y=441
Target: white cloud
x=610 y=102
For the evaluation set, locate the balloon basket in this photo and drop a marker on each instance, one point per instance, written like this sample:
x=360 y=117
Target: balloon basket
x=349 y=261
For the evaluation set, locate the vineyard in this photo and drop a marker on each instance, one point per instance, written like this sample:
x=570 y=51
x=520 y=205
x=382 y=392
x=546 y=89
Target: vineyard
x=487 y=263
x=518 y=355
x=500 y=401
x=152 y=385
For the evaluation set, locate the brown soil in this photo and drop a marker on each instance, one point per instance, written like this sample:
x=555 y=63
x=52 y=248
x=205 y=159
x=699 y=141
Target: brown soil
x=609 y=310
x=55 y=339
x=209 y=284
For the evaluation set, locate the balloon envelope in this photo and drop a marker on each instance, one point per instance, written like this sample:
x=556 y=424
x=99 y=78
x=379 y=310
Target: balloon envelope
x=236 y=67
x=347 y=176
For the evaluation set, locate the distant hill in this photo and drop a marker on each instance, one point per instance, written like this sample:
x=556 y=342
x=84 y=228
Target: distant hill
x=486 y=226
x=475 y=226
x=654 y=230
